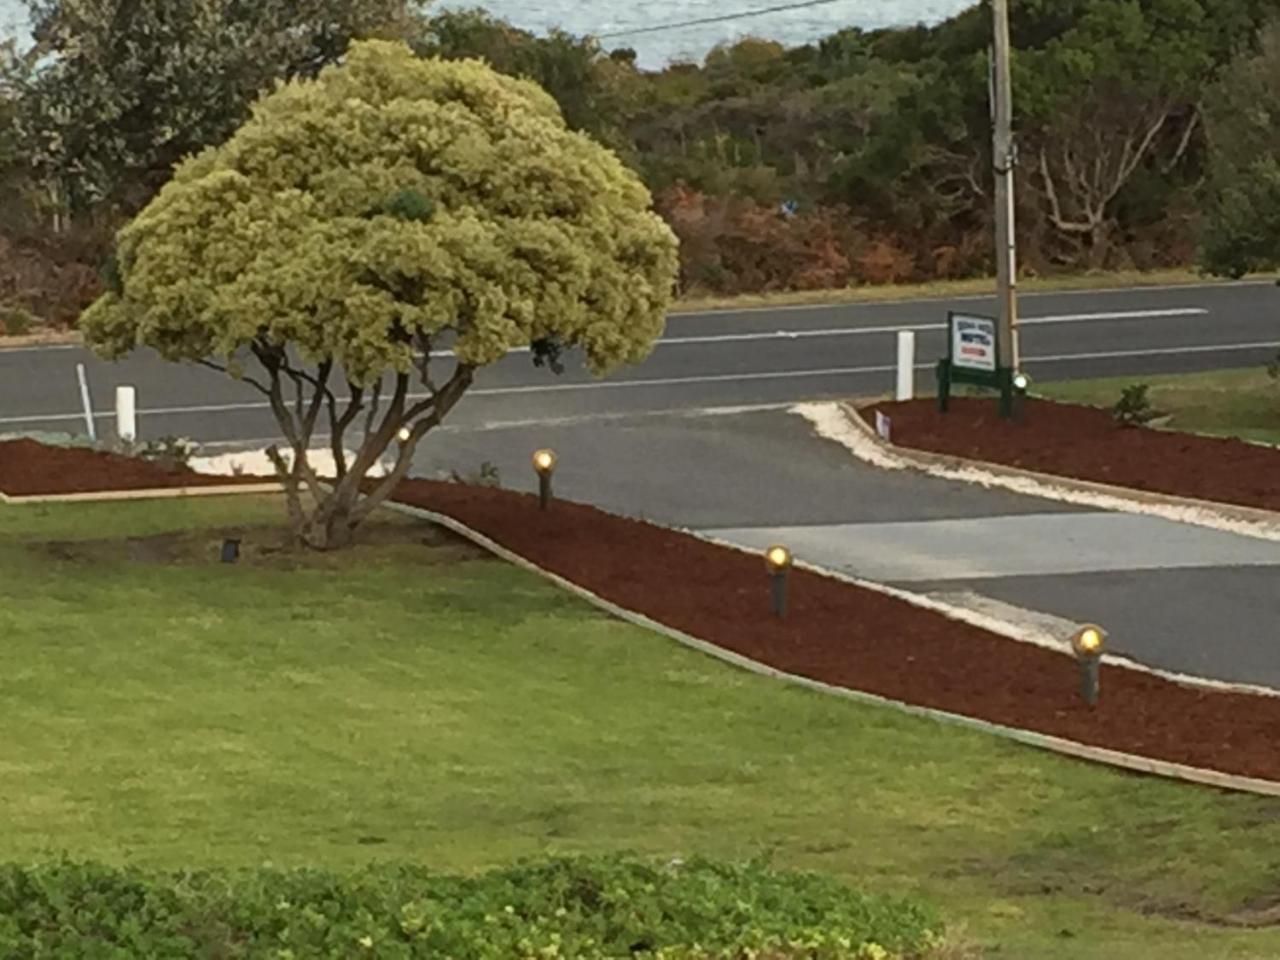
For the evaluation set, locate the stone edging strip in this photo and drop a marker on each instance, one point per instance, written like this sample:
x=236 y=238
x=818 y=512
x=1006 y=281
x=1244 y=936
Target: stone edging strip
x=1127 y=761
x=843 y=423
x=167 y=493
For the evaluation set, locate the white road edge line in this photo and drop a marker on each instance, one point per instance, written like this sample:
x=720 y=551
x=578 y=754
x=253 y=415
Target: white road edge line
x=1173 y=313
x=970 y=298
x=671 y=381
x=853 y=331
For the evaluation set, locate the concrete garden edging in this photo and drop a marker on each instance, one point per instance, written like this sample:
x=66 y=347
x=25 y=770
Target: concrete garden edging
x=1126 y=761
x=118 y=496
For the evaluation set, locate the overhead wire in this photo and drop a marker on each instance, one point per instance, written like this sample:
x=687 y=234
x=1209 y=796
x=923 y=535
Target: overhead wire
x=719 y=18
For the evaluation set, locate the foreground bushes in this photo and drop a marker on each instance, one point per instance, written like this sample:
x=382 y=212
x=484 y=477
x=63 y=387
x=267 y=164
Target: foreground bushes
x=586 y=909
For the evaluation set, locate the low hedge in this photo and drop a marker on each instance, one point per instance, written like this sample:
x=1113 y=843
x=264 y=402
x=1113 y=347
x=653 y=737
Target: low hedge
x=586 y=909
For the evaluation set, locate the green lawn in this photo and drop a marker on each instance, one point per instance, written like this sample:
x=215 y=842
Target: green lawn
x=1235 y=403
x=415 y=702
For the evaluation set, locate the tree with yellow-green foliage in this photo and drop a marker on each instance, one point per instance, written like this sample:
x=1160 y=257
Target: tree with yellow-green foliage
x=359 y=219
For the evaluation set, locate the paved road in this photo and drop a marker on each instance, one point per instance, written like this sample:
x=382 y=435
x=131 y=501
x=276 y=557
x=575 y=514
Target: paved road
x=647 y=442
x=735 y=358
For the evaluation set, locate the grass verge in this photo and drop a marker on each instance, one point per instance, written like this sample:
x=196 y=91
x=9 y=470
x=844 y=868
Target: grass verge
x=1232 y=403
x=415 y=701
x=943 y=289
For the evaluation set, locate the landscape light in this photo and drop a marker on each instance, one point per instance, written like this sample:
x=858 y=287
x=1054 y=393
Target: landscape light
x=1021 y=382
x=779 y=561
x=544 y=463
x=1088 y=644
x=230 y=550
x=404 y=434
x=778 y=558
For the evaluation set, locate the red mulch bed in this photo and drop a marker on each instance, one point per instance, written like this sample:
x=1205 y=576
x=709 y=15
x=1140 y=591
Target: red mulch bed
x=30 y=469
x=850 y=637
x=835 y=632
x=1085 y=443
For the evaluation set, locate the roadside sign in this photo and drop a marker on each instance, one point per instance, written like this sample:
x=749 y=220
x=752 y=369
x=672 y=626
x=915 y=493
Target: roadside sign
x=973 y=343
x=973 y=358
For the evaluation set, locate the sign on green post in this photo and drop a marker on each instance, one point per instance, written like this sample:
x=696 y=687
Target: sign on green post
x=973 y=357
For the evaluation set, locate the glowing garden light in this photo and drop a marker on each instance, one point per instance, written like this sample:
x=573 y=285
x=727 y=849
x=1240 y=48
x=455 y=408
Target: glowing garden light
x=779 y=561
x=544 y=464
x=1088 y=644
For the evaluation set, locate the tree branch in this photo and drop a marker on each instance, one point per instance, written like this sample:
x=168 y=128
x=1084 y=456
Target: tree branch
x=444 y=401
x=257 y=385
x=1055 y=205
x=1184 y=143
x=339 y=424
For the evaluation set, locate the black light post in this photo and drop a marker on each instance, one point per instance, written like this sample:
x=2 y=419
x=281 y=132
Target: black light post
x=230 y=550
x=544 y=463
x=779 y=560
x=1088 y=644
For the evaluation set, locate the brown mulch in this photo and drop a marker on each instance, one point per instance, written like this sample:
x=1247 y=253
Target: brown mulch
x=851 y=637
x=29 y=469
x=835 y=632
x=1085 y=443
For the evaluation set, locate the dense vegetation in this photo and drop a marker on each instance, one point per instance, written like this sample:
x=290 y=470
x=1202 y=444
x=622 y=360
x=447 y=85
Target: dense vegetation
x=864 y=157
x=582 y=909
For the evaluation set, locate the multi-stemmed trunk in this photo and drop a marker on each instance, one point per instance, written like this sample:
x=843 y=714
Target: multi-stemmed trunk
x=341 y=503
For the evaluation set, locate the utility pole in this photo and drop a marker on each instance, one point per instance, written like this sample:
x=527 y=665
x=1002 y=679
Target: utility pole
x=1005 y=156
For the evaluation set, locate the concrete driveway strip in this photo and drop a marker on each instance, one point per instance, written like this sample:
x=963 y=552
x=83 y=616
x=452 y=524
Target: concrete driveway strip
x=997 y=547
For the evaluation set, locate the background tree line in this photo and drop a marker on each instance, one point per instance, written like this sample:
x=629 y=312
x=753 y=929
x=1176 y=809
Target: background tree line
x=1145 y=133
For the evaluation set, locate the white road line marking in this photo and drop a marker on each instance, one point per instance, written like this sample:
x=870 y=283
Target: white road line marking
x=1156 y=352
x=678 y=381
x=895 y=328
x=971 y=298
x=829 y=331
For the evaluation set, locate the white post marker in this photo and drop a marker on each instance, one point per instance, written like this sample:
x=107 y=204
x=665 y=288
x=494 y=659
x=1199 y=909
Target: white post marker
x=85 y=402
x=127 y=414
x=906 y=365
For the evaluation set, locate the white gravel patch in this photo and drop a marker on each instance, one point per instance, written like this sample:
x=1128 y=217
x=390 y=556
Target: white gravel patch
x=256 y=463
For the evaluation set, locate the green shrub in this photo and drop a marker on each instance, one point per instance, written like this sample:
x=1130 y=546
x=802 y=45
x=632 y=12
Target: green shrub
x=486 y=476
x=15 y=321
x=589 y=909
x=1134 y=406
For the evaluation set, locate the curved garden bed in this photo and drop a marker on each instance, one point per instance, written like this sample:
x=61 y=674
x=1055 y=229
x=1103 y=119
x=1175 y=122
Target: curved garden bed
x=856 y=638
x=838 y=633
x=1086 y=443
x=32 y=469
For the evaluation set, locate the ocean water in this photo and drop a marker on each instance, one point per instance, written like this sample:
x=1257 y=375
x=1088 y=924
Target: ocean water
x=599 y=17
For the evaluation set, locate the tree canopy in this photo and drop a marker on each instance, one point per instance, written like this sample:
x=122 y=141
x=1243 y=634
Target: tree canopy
x=863 y=157
x=357 y=220
x=1243 y=229
x=115 y=93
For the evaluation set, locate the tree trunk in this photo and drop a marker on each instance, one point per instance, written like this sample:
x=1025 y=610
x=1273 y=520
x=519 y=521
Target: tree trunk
x=329 y=527
x=1099 y=244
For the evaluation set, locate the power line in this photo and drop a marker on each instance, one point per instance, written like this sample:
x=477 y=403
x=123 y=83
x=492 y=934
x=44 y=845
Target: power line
x=722 y=18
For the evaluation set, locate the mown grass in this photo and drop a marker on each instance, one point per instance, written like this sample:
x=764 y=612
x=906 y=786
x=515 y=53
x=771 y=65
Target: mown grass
x=422 y=703
x=1232 y=403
